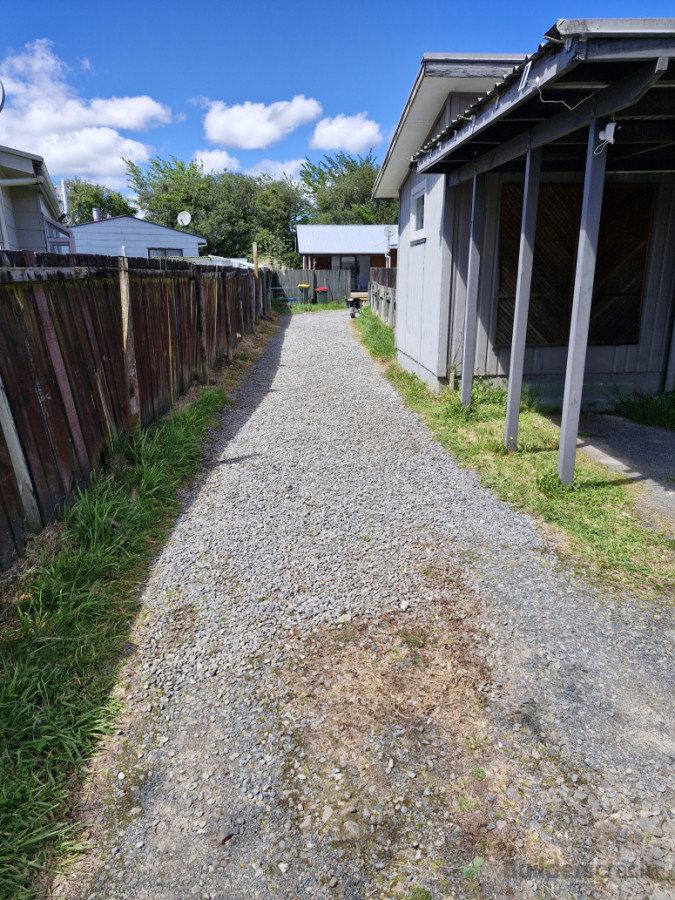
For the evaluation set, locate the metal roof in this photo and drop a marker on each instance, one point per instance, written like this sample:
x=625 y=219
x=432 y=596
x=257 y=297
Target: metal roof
x=586 y=65
x=351 y=240
x=116 y=220
x=440 y=74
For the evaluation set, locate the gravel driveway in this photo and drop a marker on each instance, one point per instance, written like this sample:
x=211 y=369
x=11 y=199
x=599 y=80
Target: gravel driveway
x=358 y=674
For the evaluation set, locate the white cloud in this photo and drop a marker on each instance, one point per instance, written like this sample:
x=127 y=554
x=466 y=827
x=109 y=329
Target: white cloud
x=354 y=134
x=44 y=114
x=216 y=160
x=276 y=168
x=254 y=126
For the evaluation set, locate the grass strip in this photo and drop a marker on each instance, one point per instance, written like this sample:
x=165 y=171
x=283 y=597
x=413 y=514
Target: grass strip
x=648 y=410
x=605 y=536
x=61 y=640
x=298 y=306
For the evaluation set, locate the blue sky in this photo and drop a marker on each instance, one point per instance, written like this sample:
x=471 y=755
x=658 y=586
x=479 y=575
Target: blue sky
x=251 y=87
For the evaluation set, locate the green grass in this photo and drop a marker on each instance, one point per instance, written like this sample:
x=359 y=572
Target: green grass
x=296 y=308
x=648 y=410
x=604 y=534
x=62 y=641
x=419 y=893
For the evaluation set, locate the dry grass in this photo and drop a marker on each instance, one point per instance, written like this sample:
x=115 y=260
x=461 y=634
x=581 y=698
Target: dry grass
x=403 y=689
x=399 y=675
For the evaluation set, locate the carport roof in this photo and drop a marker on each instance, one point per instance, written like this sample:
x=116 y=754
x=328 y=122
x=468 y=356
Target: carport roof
x=616 y=68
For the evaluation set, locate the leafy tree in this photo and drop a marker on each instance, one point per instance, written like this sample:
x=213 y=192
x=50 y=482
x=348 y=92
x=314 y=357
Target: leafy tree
x=231 y=210
x=84 y=196
x=279 y=206
x=340 y=188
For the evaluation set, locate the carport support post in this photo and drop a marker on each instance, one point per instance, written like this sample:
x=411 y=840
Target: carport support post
x=594 y=180
x=473 y=275
x=528 y=226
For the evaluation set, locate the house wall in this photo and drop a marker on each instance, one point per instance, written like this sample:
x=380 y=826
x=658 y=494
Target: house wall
x=425 y=267
x=640 y=366
x=28 y=224
x=109 y=236
x=8 y=213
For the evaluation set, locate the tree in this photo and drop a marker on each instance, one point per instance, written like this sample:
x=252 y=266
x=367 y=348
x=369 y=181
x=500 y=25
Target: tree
x=340 y=188
x=279 y=206
x=84 y=196
x=230 y=209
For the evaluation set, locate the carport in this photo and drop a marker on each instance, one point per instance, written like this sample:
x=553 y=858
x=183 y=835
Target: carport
x=597 y=98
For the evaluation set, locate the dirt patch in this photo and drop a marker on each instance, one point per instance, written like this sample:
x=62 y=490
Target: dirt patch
x=396 y=710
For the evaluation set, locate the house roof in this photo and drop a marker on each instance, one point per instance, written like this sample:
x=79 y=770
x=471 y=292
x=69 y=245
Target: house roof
x=615 y=69
x=440 y=74
x=116 y=221
x=345 y=239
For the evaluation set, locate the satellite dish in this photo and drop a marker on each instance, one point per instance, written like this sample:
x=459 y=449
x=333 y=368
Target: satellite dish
x=389 y=230
x=184 y=218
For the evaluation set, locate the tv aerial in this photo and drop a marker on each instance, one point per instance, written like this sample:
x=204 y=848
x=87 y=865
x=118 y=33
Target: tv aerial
x=184 y=218
x=2 y=95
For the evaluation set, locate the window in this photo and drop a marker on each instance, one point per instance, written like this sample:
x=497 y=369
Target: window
x=163 y=252
x=58 y=239
x=418 y=197
x=619 y=273
x=419 y=212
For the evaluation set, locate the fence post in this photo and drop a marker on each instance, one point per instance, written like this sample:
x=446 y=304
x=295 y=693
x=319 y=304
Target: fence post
x=228 y=314
x=129 y=350
x=203 y=370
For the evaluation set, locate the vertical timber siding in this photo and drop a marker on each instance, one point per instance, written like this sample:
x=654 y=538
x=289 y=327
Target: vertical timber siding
x=382 y=294
x=62 y=371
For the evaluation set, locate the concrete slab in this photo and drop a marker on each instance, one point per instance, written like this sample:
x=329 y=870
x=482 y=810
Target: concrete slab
x=643 y=453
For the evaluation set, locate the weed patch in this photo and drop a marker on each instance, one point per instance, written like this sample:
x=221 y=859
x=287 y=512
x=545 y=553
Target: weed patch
x=648 y=410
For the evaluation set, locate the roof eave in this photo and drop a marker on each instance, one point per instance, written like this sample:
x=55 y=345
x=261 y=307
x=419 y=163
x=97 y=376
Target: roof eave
x=435 y=65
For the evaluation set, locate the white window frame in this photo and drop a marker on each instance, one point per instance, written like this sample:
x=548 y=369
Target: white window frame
x=419 y=191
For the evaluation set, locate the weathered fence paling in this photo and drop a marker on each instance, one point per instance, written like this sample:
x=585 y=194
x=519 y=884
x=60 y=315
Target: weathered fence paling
x=382 y=294
x=94 y=345
x=337 y=281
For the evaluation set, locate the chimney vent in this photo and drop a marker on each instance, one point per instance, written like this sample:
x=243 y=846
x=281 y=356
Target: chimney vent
x=96 y=214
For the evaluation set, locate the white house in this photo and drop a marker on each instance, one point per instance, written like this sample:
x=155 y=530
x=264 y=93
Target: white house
x=129 y=236
x=29 y=208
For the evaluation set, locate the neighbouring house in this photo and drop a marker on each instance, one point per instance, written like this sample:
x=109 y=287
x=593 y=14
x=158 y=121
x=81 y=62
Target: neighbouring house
x=353 y=247
x=29 y=208
x=129 y=236
x=537 y=221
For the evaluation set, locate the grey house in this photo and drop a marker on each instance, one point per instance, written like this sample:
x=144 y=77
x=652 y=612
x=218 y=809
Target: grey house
x=29 y=208
x=129 y=236
x=537 y=222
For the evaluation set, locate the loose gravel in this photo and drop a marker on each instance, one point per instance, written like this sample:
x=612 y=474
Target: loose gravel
x=310 y=548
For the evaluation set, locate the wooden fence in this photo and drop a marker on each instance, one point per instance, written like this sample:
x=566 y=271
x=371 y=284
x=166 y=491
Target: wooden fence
x=94 y=345
x=338 y=282
x=382 y=295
